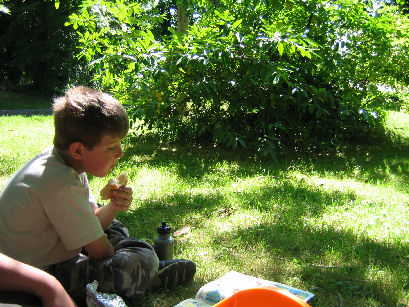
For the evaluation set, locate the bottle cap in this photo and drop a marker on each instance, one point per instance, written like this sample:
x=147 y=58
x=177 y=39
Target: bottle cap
x=164 y=228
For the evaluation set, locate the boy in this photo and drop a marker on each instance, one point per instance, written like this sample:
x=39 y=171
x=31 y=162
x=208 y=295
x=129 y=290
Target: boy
x=47 y=215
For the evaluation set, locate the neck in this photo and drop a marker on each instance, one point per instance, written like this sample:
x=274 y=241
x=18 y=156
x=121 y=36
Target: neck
x=70 y=161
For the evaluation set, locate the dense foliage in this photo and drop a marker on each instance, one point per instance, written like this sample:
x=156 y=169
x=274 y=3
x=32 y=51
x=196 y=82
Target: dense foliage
x=260 y=74
x=36 y=50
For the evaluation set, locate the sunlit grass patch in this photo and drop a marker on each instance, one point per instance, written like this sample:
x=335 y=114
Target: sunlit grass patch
x=398 y=123
x=20 y=139
x=378 y=211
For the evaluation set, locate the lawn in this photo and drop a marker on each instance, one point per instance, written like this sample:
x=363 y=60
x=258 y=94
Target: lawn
x=29 y=100
x=335 y=225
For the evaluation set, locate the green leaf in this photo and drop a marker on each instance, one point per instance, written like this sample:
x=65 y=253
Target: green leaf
x=236 y=23
x=242 y=142
x=218 y=14
x=280 y=48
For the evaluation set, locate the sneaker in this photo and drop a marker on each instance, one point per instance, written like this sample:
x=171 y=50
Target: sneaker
x=175 y=272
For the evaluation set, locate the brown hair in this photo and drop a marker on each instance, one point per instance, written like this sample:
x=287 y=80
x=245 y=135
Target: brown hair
x=85 y=115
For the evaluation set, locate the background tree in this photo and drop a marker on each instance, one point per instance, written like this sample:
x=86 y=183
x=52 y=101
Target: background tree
x=258 y=74
x=36 y=50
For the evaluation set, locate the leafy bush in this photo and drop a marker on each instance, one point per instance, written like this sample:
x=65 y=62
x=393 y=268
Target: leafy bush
x=261 y=75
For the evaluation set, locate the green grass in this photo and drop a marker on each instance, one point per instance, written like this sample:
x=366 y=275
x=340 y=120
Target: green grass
x=20 y=139
x=334 y=225
x=11 y=100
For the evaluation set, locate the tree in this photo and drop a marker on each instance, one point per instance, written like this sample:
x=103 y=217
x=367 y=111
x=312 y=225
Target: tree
x=260 y=74
x=183 y=18
x=36 y=49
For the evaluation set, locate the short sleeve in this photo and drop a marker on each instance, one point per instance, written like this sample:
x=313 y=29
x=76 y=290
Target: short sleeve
x=73 y=218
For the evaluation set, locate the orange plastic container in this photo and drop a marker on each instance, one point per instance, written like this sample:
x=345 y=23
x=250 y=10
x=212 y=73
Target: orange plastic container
x=262 y=297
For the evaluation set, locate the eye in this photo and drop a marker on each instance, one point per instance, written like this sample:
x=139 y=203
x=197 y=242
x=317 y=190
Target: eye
x=114 y=147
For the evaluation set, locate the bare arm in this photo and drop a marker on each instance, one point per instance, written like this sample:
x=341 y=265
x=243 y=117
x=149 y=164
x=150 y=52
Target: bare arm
x=105 y=215
x=121 y=200
x=100 y=249
x=18 y=276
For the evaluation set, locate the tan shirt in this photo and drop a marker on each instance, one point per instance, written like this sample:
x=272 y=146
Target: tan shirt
x=45 y=212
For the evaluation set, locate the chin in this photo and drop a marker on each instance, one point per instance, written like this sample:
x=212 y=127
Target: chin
x=105 y=174
x=101 y=174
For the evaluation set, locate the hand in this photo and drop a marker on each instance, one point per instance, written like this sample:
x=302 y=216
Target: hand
x=121 y=198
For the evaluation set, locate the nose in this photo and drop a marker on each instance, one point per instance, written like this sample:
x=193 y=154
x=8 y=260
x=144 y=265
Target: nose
x=119 y=153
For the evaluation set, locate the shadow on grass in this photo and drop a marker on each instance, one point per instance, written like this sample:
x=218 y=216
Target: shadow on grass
x=169 y=298
x=369 y=163
x=25 y=100
x=178 y=210
x=191 y=162
x=307 y=250
x=286 y=238
x=337 y=265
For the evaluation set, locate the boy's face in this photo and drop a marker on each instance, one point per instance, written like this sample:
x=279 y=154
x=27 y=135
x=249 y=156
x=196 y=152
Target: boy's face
x=101 y=159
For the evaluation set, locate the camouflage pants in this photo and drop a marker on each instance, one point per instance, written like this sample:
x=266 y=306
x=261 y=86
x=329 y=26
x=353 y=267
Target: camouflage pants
x=128 y=273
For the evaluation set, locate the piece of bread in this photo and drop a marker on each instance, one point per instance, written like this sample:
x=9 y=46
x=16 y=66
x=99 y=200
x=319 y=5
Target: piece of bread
x=113 y=184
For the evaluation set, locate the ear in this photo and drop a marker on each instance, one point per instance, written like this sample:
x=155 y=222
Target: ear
x=76 y=150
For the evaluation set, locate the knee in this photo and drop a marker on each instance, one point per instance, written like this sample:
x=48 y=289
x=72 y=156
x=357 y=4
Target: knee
x=138 y=259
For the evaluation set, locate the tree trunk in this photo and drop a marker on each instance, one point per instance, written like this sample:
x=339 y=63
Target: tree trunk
x=183 y=18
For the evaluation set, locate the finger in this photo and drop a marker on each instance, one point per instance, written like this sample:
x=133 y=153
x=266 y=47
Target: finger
x=120 y=207
x=121 y=203
x=120 y=199
x=125 y=190
x=117 y=194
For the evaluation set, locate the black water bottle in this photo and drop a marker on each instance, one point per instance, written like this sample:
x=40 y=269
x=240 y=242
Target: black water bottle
x=164 y=243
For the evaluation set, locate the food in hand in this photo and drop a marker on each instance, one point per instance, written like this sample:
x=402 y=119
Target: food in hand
x=112 y=185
